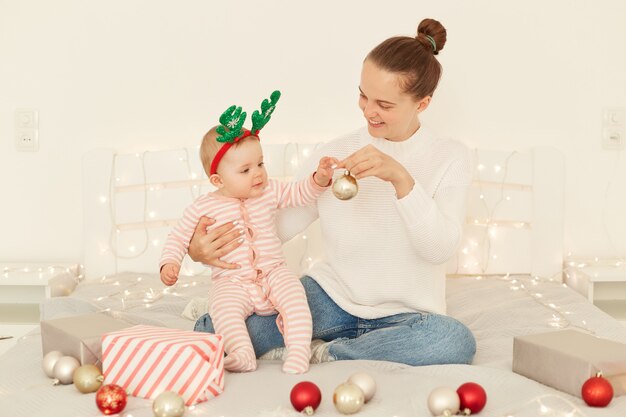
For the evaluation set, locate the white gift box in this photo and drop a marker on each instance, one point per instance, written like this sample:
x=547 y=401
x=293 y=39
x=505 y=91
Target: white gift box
x=79 y=336
x=565 y=359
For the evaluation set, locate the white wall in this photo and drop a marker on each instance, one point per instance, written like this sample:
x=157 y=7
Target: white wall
x=149 y=74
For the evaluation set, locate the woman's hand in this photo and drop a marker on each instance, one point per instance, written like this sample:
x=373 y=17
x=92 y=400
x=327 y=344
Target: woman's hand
x=371 y=162
x=209 y=247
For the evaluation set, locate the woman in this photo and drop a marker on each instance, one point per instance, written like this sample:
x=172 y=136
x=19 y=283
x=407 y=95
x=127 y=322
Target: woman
x=380 y=292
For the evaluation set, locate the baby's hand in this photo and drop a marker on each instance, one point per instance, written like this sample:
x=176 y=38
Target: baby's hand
x=169 y=274
x=325 y=171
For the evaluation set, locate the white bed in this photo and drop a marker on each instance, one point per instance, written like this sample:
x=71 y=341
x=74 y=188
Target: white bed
x=504 y=282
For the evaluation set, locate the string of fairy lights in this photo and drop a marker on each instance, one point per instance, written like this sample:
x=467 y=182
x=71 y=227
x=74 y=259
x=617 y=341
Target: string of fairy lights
x=548 y=405
x=477 y=252
x=489 y=224
x=42 y=271
x=148 y=215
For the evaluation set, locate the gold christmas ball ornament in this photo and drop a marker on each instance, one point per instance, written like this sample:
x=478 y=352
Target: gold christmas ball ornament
x=348 y=398
x=345 y=187
x=88 y=378
x=168 y=404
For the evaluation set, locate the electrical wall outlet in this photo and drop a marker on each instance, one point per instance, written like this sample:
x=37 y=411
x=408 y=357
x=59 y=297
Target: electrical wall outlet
x=613 y=138
x=614 y=128
x=27 y=140
x=614 y=116
x=26 y=130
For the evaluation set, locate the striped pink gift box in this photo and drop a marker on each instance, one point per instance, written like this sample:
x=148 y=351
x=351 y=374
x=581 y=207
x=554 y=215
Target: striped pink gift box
x=147 y=360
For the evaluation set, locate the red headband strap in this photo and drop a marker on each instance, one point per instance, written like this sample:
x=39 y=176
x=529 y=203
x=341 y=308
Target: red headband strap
x=226 y=146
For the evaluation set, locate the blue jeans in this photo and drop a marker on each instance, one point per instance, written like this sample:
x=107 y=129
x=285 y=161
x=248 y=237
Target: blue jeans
x=412 y=338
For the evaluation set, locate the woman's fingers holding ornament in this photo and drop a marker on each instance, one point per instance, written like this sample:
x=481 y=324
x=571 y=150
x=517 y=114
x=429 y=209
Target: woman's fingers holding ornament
x=362 y=169
x=370 y=162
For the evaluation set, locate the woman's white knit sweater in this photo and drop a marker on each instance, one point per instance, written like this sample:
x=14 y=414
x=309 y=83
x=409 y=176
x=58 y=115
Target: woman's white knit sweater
x=385 y=255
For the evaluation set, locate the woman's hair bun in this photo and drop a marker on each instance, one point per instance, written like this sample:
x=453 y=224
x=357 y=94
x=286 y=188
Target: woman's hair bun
x=432 y=35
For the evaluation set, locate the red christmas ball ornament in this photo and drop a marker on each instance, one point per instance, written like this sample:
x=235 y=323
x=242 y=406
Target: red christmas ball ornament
x=473 y=397
x=597 y=391
x=306 y=396
x=111 y=399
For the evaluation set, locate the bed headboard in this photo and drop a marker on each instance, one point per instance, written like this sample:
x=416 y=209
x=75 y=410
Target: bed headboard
x=514 y=218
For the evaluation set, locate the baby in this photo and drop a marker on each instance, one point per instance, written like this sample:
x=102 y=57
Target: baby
x=233 y=160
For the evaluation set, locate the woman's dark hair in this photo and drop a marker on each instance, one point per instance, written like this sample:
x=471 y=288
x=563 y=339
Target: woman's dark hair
x=413 y=58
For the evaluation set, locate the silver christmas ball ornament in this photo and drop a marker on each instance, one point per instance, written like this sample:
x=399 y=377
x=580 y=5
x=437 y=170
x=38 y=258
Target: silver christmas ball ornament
x=348 y=398
x=64 y=370
x=49 y=360
x=345 y=187
x=366 y=382
x=168 y=404
x=444 y=401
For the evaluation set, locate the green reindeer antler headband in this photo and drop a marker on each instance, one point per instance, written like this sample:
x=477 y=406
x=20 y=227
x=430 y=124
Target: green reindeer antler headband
x=231 y=128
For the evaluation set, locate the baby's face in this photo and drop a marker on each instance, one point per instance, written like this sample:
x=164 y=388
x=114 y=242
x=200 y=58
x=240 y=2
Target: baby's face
x=242 y=170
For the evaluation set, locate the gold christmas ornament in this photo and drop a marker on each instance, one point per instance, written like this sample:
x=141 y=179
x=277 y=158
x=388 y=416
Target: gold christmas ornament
x=348 y=398
x=345 y=187
x=88 y=378
x=168 y=404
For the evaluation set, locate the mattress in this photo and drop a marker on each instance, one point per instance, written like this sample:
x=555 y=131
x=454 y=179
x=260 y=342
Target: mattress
x=496 y=309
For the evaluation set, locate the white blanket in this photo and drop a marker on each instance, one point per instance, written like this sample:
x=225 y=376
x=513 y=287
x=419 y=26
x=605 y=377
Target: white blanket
x=495 y=309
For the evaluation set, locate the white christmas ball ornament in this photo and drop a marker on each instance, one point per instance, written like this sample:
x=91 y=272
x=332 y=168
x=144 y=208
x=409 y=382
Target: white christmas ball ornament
x=49 y=360
x=444 y=401
x=168 y=404
x=64 y=370
x=366 y=382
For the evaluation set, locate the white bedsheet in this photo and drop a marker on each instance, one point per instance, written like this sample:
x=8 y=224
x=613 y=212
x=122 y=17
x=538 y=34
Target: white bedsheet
x=495 y=309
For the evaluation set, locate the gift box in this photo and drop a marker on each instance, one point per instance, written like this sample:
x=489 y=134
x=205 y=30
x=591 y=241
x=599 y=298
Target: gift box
x=147 y=360
x=565 y=359
x=79 y=336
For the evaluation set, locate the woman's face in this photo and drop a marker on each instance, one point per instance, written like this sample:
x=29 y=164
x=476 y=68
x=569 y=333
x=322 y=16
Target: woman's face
x=390 y=112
